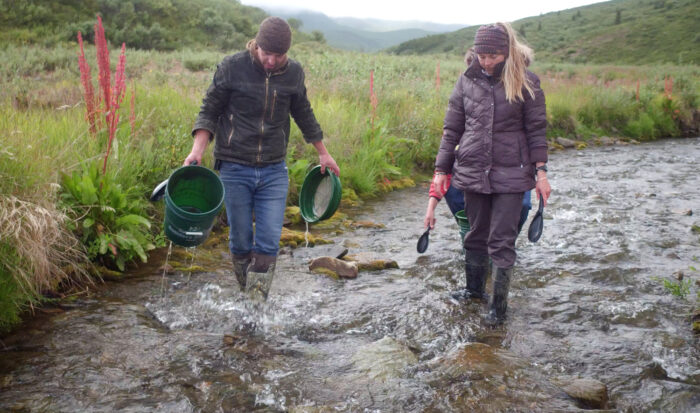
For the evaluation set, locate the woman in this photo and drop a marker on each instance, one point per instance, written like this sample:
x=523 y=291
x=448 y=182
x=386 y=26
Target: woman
x=496 y=118
x=246 y=112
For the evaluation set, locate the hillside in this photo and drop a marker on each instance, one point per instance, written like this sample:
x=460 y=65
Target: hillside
x=618 y=31
x=366 y=35
x=378 y=25
x=141 y=24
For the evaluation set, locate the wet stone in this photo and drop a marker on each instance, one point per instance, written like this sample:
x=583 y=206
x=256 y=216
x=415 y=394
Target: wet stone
x=606 y=141
x=566 y=143
x=369 y=261
x=591 y=394
x=479 y=359
x=366 y=224
x=686 y=212
x=342 y=268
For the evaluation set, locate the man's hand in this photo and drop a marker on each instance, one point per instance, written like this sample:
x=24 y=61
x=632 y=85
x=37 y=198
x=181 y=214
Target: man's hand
x=327 y=161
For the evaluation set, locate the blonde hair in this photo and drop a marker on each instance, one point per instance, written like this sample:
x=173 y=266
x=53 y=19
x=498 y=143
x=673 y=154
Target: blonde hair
x=519 y=57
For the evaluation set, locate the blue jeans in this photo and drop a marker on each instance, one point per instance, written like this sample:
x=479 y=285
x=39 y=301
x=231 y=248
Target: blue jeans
x=259 y=192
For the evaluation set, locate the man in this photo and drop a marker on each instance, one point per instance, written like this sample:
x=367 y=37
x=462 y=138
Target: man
x=246 y=111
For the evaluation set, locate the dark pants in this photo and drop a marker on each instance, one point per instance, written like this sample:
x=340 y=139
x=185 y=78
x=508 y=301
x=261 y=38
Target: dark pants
x=494 y=225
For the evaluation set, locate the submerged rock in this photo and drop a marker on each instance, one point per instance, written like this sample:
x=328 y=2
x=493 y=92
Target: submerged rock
x=480 y=377
x=382 y=359
x=479 y=360
x=687 y=212
x=366 y=224
x=591 y=394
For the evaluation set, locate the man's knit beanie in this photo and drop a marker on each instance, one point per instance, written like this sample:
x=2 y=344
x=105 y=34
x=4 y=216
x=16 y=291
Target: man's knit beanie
x=274 y=35
x=491 y=39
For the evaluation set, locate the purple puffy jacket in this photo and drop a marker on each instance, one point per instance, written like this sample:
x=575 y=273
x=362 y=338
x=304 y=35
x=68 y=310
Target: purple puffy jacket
x=499 y=142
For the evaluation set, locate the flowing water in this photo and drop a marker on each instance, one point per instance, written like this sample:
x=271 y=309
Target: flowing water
x=586 y=302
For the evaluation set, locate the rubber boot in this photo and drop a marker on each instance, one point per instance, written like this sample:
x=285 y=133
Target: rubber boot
x=240 y=268
x=475 y=268
x=260 y=274
x=498 y=304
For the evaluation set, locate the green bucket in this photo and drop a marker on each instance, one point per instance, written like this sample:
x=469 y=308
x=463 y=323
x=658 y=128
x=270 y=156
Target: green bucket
x=463 y=223
x=193 y=198
x=320 y=195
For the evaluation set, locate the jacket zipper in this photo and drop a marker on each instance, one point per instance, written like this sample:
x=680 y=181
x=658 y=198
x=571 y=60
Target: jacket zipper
x=230 y=135
x=274 y=103
x=520 y=152
x=262 y=119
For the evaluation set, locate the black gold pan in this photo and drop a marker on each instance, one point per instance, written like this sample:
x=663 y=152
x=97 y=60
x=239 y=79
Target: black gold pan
x=536 y=226
x=423 y=241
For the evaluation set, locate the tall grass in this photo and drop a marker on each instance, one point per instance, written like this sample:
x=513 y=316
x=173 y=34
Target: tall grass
x=39 y=255
x=43 y=132
x=584 y=102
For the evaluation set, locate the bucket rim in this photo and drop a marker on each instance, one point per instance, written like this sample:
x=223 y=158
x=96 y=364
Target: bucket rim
x=180 y=212
x=308 y=191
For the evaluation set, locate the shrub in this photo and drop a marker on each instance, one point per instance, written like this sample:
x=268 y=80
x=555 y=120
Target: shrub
x=109 y=220
x=561 y=121
x=641 y=128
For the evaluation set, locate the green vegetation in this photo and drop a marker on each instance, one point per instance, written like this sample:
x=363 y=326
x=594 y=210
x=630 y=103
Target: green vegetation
x=110 y=221
x=642 y=102
x=141 y=24
x=59 y=213
x=678 y=288
x=618 y=32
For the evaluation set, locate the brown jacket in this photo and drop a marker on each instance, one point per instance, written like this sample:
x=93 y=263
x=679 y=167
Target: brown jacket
x=499 y=142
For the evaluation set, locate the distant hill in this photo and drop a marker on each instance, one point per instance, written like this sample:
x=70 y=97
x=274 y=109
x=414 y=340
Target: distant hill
x=618 y=31
x=378 y=25
x=143 y=24
x=367 y=35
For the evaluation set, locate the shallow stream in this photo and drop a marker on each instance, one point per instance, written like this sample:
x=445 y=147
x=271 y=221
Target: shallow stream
x=586 y=302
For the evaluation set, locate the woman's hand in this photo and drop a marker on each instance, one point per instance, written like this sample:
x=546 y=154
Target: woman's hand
x=429 y=220
x=440 y=182
x=542 y=186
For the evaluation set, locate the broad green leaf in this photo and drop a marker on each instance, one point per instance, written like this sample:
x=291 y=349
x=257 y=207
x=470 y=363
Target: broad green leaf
x=133 y=219
x=104 y=244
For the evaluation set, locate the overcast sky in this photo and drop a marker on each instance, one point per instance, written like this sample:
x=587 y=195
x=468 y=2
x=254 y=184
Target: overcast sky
x=465 y=12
